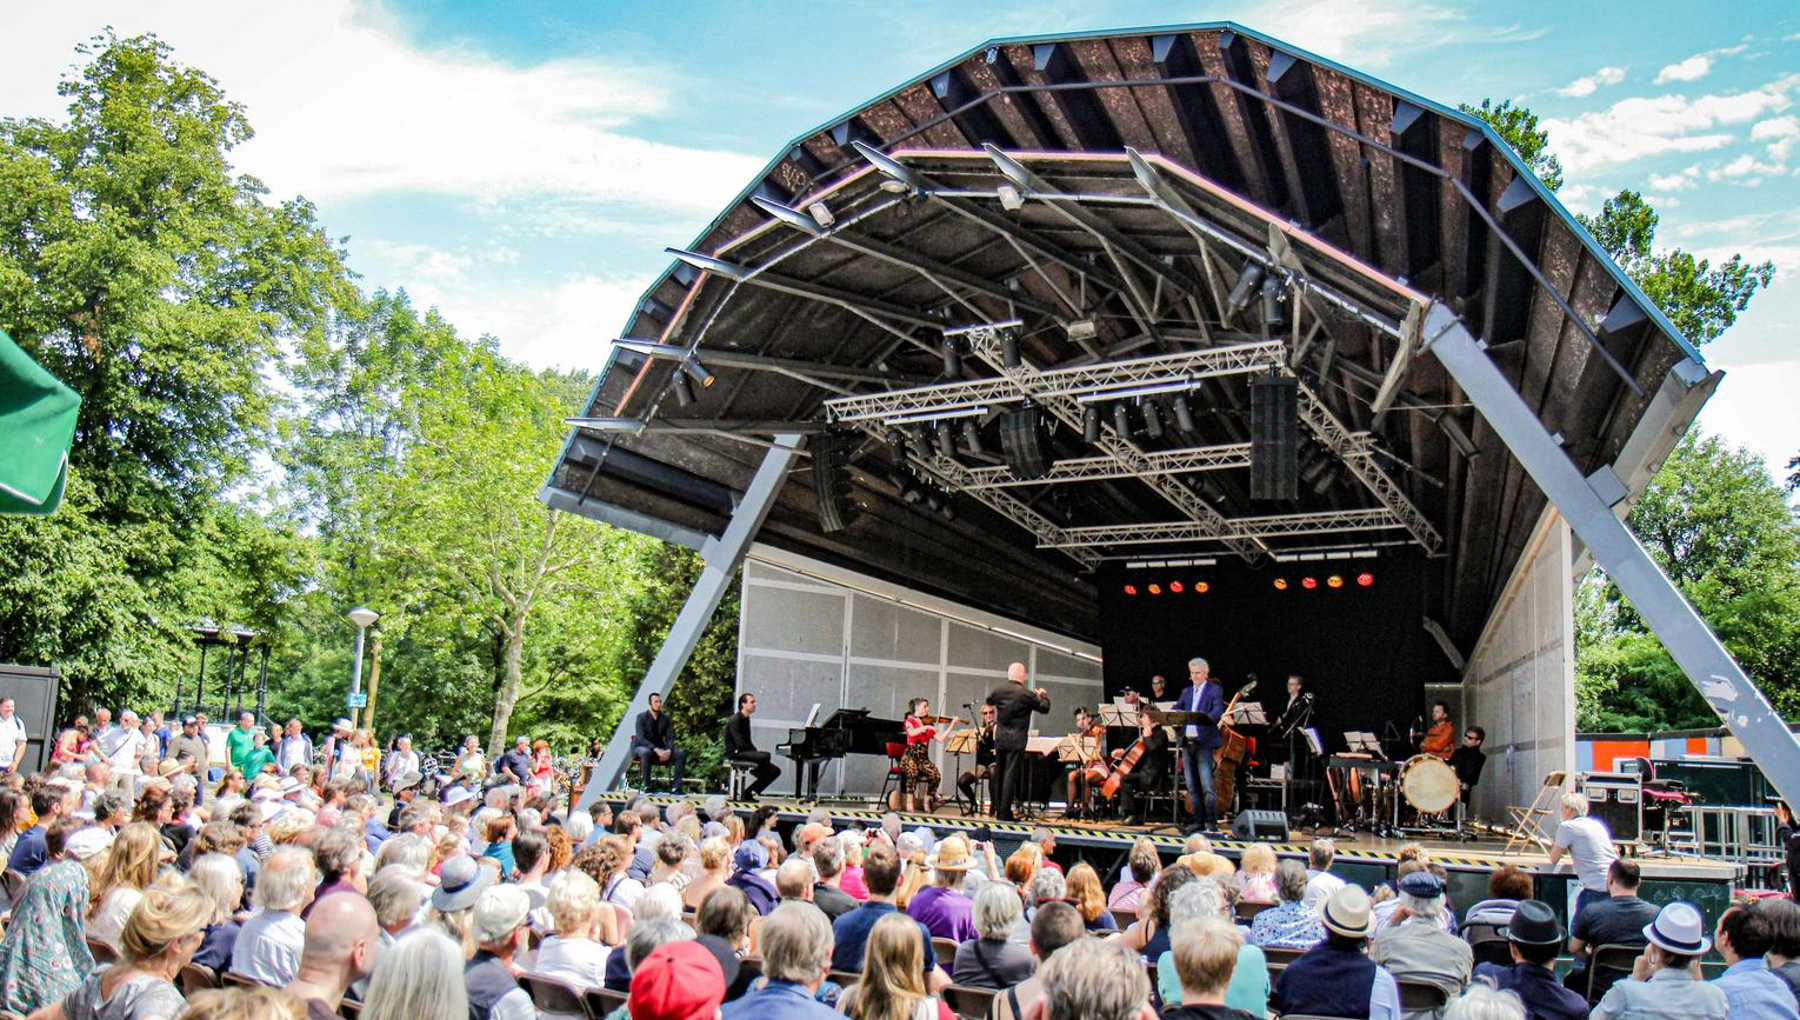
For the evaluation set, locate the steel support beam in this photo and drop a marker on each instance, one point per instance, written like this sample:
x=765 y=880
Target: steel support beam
x=1330 y=522
x=1709 y=667
x=722 y=557
x=1356 y=450
x=1092 y=469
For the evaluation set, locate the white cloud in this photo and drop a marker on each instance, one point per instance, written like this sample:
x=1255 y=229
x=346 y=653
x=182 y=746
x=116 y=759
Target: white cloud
x=1693 y=68
x=1373 y=32
x=1681 y=180
x=1781 y=134
x=1746 y=168
x=1587 y=85
x=1643 y=126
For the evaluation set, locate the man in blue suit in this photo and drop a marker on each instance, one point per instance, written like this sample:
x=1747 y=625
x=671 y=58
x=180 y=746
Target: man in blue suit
x=1200 y=739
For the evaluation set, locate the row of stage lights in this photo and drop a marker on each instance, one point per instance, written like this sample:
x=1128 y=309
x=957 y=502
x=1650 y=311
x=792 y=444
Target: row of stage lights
x=1307 y=583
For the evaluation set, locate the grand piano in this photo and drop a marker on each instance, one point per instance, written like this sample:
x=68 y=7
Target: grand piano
x=847 y=731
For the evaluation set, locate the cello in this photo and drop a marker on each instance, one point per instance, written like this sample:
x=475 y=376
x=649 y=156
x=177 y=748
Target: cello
x=1232 y=750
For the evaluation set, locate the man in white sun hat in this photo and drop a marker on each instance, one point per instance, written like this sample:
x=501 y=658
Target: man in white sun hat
x=1665 y=981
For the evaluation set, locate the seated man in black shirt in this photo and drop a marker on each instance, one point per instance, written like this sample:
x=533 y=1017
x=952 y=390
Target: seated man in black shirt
x=740 y=748
x=654 y=741
x=1617 y=921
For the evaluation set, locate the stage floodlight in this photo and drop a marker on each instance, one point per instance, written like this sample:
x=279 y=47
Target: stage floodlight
x=697 y=371
x=1281 y=584
x=1122 y=420
x=1309 y=583
x=1152 y=420
x=948 y=510
x=1131 y=589
x=1083 y=329
x=1184 y=414
x=1335 y=581
x=1365 y=579
x=1009 y=350
x=1155 y=589
x=946 y=439
x=1010 y=199
x=952 y=359
x=972 y=437
x=1090 y=423
x=684 y=390
x=1243 y=289
x=1271 y=302
x=821 y=213
x=1201 y=587
x=1175 y=587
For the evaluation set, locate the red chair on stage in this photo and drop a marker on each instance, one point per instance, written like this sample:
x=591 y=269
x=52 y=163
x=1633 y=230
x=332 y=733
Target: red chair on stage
x=896 y=776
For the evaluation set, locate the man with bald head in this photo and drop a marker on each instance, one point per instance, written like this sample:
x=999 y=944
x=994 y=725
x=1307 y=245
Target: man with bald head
x=342 y=936
x=1013 y=704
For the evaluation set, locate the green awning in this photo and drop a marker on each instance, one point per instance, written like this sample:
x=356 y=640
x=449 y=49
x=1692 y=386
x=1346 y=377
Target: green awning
x=37 y=424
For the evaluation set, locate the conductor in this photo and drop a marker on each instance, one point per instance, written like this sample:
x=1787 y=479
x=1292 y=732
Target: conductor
x=1013 y=704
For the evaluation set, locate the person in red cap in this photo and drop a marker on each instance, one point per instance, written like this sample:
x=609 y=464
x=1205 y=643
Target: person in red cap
x=677 y=981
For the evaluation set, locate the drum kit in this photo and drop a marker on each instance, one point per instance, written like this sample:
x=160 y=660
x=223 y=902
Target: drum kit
x=1369 y=791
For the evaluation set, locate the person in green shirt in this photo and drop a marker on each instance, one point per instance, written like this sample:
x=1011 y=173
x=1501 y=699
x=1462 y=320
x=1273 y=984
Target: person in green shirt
x=258 y=758
x=239 y=741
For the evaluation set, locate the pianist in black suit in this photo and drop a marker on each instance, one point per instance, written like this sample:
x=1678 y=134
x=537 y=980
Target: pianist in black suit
x=654 y=742
x=739 y=747
x=1013 y=704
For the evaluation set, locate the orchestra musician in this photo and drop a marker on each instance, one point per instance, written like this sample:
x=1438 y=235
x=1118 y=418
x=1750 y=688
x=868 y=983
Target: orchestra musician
x=1468 y=760
x=1013 y=704
x=922 y=778
x=1159 y=689
x=1440 y=739
x=1147 y=774
x=739 y=747
x=1199 y=739
x=984 y=759
x=1087 y=772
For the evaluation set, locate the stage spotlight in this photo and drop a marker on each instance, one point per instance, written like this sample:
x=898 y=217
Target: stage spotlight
x=1090 y=423
x=697 y=372
x=1184 y=415
x=1131 y=589
x=1152 y=420
x=972 y=437
x=1156 y=589
x=1271 y=302
x=1009 y=350
x=952 y=359
x=933 y=501
x=1201 y=587
x=1241 y=291
x=1365 y=580
x=1335 y=581
x=1122 y=420
x=684 y=390
x=1281 y=584
x=1175 y=587
x=1309 y=583
x=948 y=510
x=946 y=440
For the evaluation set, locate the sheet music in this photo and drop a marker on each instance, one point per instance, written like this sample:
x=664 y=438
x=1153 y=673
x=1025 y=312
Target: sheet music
x=1249 y=713
x=1119 y=715
x=1078 y=748
x=812 y=717
x=1042 y=745
x=1313 y=742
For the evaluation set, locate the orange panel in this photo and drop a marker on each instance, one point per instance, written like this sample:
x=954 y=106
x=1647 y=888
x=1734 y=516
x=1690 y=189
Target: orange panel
x=1696 y=745
x=1607 y=752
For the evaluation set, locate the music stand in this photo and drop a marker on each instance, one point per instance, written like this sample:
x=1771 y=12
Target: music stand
x=1248 y=713
x=1364 y=742
x=962 y=742
x=1078 y=748
x=1119 y=715
x=1177 y=721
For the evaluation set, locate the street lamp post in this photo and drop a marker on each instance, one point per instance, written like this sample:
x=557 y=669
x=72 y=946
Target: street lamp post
x=363 y=617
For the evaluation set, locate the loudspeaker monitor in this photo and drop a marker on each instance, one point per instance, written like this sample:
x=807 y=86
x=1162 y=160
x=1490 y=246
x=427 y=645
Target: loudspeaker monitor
x=1269 y=826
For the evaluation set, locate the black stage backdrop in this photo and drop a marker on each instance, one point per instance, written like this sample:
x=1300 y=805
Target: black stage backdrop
x=1363 y=650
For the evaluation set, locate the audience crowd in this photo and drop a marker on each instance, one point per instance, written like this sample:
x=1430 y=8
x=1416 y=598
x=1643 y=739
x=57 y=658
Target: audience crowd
x=150 y=875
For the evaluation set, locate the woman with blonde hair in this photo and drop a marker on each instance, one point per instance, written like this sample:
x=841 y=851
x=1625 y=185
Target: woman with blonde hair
x=243 y=1003
x=130 y=868
x=1255 y=880
x=1090 y=898
x=914 y=878
x=418 y=977
x=222 y=880
x=893 y=976
x=715 y=868
x=575 y=953
x=159 y=939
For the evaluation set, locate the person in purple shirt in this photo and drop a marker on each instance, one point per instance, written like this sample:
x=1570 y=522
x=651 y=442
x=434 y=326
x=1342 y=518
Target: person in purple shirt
x=942 y=908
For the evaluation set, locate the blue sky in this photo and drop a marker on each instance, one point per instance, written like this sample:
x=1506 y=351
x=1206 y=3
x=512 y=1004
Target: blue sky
x=521 y=165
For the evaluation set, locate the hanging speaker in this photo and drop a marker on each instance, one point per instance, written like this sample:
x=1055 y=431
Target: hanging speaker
x=1274 y=437
x=1024 y=443
x=831 y=482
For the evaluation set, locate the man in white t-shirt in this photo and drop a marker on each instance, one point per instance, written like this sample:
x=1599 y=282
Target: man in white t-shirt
x=127 y=747
x=12 y=737
x=1588 y=844
x=1320 y=882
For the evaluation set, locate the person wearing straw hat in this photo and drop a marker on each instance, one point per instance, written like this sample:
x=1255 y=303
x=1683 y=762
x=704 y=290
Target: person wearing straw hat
x=1535 y=937
x=1336 y=977
x=942 y=908
x=1665 y=981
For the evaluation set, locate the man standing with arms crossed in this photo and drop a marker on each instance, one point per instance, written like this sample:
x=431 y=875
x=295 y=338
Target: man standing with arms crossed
x=1013 y=705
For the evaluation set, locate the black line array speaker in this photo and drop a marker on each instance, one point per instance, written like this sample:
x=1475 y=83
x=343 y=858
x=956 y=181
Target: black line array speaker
x=1264 y=825
x=1025 y=443
x=831 y=481
x=1274 y=437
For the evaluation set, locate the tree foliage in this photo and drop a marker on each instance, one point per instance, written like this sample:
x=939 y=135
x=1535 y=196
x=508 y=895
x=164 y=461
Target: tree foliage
x=1519 y=127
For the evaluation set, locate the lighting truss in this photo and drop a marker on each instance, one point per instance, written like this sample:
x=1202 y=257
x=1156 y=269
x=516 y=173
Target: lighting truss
x=1356 y=451
x=1277 y=526
x=1090 y=469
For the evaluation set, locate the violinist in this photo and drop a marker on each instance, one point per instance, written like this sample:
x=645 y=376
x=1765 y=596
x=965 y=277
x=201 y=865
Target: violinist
x=922 y=776
x=984 y=760
x=1151 y=764
x=1088 y=770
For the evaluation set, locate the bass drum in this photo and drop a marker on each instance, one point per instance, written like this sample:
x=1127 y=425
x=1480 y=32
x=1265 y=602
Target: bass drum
x=1429 y=784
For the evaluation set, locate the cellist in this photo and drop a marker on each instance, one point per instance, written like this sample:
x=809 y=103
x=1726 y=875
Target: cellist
x=1146 y=773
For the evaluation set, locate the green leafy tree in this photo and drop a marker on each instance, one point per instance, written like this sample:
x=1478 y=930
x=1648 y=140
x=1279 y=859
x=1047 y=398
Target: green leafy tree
x=1519 y=126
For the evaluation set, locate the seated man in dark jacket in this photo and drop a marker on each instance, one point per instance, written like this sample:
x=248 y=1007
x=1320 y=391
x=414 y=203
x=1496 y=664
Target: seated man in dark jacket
x=1336 y=977
x=1536 y=937
x=654 y=742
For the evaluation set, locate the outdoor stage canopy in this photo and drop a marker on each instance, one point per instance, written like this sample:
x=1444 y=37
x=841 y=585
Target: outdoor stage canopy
x=1015 y=310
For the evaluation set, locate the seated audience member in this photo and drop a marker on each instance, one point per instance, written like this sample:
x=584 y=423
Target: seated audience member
x=881 y=872
x=1255 y=879
x=130 y=868
x=220 y=878
x=989 y=960
x=793 y=880
x=1045 y=885
x=268 y=945
x=1290 y=923
x=727 y=916
x=1149 y=935
x=1384 y=899
x=1622 y=919
x=1665 y=981
x=1480 y=1002
x=715 y=868
x=159 y=938
x=681 y=981
x=1507 y=886
x=1084 y=888
x=942 y=908
x=461 y=881
x=500 y=931
x=1205 y=958
x=892 y=985
x=397 y=895
x=575 y=954
x=1743 y=937
x=45 y=953
x=796 y=955
x=418 y=977
x=643 y=939
x=1535 y=938
x=1205 y=900
x=1055 y=927
x=343 y=939
x=1095 y=979
x=1336 y=977
x=28 y=853
x=749 y=859
x=1783 y=916
x=1416 y=946
x=1140 y=869
x=828 y=891
x=252 y=1002
x=1320 y=882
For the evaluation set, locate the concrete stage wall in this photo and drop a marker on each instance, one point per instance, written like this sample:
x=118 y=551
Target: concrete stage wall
x=810 y=632
x=1519 y=683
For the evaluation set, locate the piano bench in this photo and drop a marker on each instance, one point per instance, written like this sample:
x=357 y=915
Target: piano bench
x=743 y=776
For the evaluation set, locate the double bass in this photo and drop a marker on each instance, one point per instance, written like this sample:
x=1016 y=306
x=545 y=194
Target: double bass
x=1232 y=750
